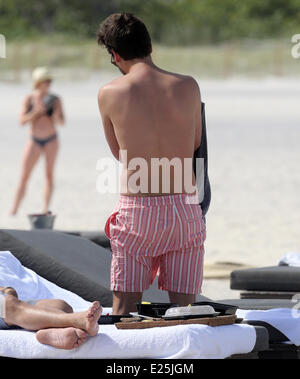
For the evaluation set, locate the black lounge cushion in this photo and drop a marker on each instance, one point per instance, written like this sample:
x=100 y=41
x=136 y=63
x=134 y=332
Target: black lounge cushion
x=98 y=237
x=262 y=338
x=259 y=304
x=275 y=335
x=275 y=278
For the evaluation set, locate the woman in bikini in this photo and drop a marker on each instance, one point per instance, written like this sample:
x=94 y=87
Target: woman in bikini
x=42 y=110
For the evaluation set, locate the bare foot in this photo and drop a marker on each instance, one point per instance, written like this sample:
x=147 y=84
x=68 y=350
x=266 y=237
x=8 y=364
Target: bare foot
x=88 y=320
x=62 y=338
x=94 y=313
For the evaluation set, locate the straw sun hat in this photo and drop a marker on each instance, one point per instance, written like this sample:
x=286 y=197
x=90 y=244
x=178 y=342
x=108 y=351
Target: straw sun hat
x=39 y=75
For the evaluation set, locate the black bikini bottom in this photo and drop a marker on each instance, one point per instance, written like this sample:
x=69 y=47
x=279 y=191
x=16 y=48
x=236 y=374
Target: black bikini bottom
x=43 y=142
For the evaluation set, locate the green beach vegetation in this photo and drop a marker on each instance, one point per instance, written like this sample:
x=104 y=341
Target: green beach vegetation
x=204 y=37
x=171 y=22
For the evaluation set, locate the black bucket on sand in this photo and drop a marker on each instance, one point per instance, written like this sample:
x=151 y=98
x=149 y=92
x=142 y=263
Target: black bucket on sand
x=42 y=221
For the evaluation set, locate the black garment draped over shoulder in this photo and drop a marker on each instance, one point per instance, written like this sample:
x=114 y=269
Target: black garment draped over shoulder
x=201 y=152
x=49 y=102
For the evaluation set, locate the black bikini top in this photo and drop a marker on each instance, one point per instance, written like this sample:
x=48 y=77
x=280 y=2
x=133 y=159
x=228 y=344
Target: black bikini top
x=49 y=102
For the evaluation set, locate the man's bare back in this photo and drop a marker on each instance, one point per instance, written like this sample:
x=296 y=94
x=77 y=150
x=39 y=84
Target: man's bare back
x=151 y=113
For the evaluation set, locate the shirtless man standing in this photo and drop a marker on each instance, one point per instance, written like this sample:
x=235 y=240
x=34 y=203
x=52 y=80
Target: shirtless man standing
x=153 y=116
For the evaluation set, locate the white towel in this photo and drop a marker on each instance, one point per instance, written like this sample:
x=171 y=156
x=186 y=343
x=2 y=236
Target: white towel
x=31 y=286
x=287 y=321
x=182 y=341
x=290 y=259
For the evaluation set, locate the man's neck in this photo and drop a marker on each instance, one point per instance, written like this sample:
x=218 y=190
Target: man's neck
x=140 y=64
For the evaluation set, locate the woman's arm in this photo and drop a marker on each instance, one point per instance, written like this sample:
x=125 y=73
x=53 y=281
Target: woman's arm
x=30 y=116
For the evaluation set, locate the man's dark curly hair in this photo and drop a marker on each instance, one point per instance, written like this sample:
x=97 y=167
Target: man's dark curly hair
x=126 y=35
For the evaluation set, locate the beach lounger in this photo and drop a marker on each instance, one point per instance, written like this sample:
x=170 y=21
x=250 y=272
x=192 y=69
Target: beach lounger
x=271 y=350
x=279 y=345
x=59 y=258
x=278 y=282
x=182 y=341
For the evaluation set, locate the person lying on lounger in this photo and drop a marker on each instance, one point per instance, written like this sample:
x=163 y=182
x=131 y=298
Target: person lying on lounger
x=54 y=320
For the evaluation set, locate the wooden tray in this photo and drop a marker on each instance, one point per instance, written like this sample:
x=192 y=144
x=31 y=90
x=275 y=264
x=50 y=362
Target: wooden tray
x=211 y=321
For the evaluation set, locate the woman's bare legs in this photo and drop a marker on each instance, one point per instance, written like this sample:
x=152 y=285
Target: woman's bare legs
x=53 y=319
x=55 y=305
x=31 y=155
x=50 y=150
x=61 y=338
x=35 y=317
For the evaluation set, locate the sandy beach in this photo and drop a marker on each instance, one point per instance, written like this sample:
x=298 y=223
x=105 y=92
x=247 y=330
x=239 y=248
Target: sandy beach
x=253 y=129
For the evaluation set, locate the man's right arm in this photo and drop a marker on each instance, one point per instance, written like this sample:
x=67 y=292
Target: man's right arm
x=107 y=124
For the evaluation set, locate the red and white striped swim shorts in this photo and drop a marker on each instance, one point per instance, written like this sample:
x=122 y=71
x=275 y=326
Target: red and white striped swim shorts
x=161 y=235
